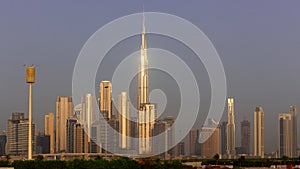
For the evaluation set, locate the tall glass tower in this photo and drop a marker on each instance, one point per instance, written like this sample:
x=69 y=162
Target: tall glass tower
x=143 y=72
x=147 y=111
x=230 y=129
x=258 y=133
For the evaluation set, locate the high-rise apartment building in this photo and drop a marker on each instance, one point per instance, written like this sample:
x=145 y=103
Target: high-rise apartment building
x=245 y=136
x=258 y=133
x=88 y=116
x=223 y=129
x=170 y=134
x=194 y=142
x=230 y=131
x=163 y=142
x=64 y=110
x=293 y=112
x=80 y=139
x=179 y=150
x=17 y=135
x=105 y=107
x=210 y=145
x=287 y=128
x=49 y=130
x=124 y=121
x=146 y=121
x=285 y=135
x=42 y=143
x=70 y=128
x=105 y=100
x=2 y=143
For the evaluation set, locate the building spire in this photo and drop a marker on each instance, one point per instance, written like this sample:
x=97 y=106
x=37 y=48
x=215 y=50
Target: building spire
x=143 y=68
x=143 y=31
x=144 y=28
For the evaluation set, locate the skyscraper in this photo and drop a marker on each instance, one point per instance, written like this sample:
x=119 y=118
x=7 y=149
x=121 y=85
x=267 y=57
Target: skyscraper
x=210 y=146
x=17 y=135
x=143 y=72
x=179 y=150
x=230 y=129
x=105 y=100
x=49 y=130
x=258 y=133
x=88 y=115
x=2 y=143
x=245 y=139
x=42 y=143
x=80 y=139
x=170 y=120
x=194 y=143
x=124 y=121
x=70 y=128
x=146 y=110
x=293 y=112
x=161 y=142
x=224 y=138
x=105 y=104
x=146 y=121
x=285 y=135
x=165 y=137
x=64 y=110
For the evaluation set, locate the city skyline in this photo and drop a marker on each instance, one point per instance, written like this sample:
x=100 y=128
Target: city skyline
x=245 y=100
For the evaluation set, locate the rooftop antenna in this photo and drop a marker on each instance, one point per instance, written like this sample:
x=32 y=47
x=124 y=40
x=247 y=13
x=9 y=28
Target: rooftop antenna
x=144 y=29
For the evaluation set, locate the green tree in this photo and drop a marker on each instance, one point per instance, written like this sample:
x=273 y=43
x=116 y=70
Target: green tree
x=216 y=157
x=39 y=157
x=284 y=159
x=241 y=161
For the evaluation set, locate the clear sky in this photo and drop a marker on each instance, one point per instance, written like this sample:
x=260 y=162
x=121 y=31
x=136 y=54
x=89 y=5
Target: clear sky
x=258 y=42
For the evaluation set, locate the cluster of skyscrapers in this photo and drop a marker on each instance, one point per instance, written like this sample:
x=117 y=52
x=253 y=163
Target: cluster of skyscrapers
x=222 y=138
x=80 y=129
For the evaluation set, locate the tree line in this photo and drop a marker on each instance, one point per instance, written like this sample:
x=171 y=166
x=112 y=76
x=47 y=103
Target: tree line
x=98 y=163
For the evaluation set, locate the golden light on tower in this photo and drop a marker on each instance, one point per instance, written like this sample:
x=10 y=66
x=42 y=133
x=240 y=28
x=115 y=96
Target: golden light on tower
x=30 y=78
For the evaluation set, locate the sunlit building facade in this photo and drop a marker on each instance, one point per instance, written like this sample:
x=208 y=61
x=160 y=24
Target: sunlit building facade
x=124 y=121
x=49 y=130
x=230 y=131
x=17 y=135
x=64 y=110
x=210 y=145
x=105 y=100
x=245 y=136
x=285 y=135
x=146 y=110
x=258 y=133
x=146 y=121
